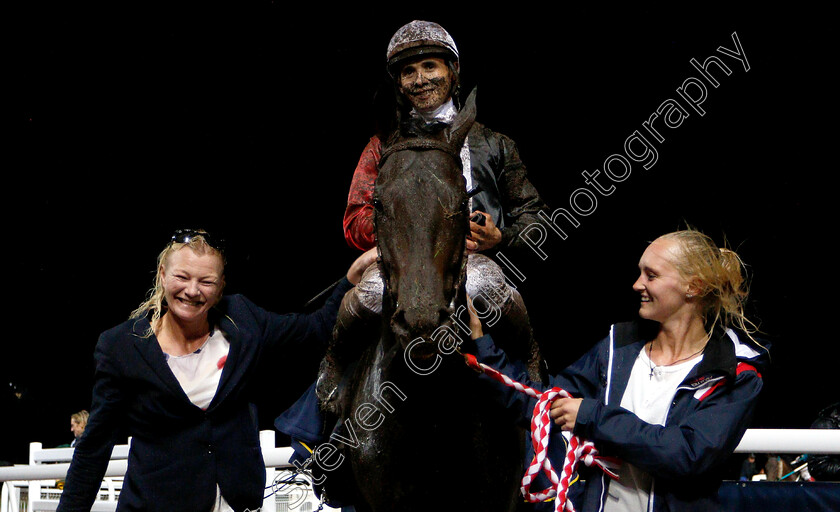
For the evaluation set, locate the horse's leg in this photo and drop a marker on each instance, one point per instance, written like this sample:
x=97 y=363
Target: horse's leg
x=436 y=449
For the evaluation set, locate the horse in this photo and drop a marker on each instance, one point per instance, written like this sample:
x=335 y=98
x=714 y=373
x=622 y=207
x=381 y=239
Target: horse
x=420 y=429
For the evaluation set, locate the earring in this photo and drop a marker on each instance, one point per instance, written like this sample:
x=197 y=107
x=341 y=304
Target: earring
x=689 y=295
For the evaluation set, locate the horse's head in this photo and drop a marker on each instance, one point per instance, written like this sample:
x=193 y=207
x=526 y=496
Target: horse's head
x=422 y=223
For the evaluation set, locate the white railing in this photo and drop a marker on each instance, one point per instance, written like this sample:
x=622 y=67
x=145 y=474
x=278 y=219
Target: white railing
x=48 y=465
x=801 y=441
x=37 y=480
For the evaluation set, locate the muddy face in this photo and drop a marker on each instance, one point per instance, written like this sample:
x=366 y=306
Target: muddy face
x=427 y=83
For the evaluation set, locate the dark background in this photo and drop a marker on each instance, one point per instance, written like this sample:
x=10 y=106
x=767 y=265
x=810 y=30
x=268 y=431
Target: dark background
x=131 y=121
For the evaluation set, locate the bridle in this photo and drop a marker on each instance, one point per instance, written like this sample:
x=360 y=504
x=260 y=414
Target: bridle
x=417 y=144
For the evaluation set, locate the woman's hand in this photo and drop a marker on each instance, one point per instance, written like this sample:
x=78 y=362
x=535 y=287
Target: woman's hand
x=564 y=412
x=354 y=275
x=475 y=322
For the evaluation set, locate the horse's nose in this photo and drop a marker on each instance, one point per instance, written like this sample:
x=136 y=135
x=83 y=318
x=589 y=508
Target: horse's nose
x=418 y=321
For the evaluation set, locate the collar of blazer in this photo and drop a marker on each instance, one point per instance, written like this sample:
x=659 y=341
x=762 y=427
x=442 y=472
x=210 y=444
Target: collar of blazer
x=150 y=351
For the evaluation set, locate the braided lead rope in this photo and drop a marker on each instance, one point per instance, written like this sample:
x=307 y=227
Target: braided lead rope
x=577 y=449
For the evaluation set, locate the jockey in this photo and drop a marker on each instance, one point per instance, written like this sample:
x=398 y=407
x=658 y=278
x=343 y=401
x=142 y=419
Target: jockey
x=424 y=65
x=423 y=62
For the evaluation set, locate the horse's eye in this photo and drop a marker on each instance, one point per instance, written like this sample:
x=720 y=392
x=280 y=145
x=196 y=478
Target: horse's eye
x=377 y=204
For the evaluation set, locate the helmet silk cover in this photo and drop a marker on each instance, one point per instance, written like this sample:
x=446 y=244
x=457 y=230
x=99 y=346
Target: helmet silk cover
x=420 y=38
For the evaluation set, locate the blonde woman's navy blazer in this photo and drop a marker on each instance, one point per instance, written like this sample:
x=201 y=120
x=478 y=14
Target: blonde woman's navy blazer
x=179 y=452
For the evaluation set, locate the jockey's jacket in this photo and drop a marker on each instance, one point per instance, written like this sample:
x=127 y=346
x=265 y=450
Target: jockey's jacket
x=505 y=190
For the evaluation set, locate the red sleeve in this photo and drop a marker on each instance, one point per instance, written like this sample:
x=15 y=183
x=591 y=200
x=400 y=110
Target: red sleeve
x=358 y=218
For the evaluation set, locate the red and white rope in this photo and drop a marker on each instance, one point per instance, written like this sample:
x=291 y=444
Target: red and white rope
x=577 y=449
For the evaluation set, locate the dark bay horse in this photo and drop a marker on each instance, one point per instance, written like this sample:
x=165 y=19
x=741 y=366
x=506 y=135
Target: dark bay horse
x=423 y=430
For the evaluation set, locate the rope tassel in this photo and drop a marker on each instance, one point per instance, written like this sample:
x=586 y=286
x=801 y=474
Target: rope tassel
x=577 y=449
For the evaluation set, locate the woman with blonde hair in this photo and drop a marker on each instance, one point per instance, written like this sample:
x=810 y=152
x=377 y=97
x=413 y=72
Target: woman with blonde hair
x=177 y=377
x=669 y=394
x=78 y=422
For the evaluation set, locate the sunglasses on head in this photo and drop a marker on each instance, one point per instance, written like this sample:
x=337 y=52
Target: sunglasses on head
x=184 y=236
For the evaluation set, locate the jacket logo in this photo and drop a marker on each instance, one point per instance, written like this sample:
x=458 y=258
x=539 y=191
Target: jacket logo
x=702 y=381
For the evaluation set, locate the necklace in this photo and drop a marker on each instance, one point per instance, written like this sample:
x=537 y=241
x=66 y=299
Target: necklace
x=653 y=367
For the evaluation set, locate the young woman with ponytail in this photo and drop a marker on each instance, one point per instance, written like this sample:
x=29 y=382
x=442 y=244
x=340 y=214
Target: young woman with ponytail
x=669 y=394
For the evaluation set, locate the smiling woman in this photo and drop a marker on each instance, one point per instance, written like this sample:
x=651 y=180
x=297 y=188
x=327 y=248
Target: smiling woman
x=176 y=377
x=189 y=283
x=670 y=394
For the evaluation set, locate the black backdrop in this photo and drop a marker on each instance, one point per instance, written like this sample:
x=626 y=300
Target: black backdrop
x=131 y=121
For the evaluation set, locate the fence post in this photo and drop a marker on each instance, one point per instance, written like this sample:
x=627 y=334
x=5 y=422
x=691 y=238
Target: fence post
x=34 y=489
x=9 y=498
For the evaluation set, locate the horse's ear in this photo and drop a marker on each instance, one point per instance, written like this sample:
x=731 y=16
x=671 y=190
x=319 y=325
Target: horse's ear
x=463 y=121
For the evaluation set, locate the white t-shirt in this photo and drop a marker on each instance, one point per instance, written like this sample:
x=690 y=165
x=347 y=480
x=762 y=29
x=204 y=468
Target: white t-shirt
x=199 y=374
x=649 y=397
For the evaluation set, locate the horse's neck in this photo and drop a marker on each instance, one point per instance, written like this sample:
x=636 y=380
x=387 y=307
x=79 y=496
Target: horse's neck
x=430 y=378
